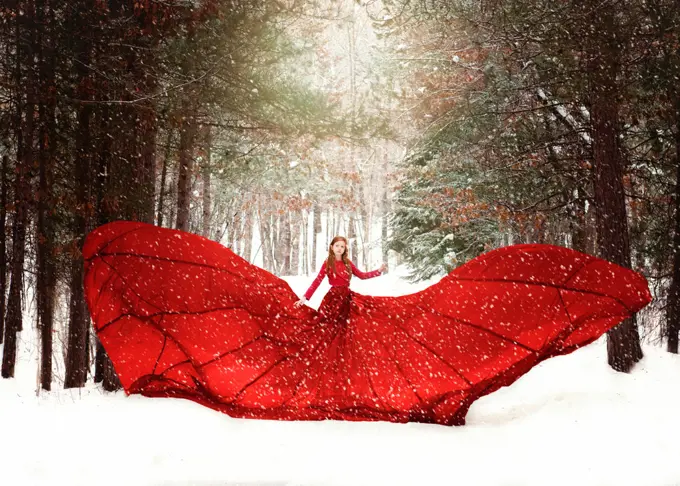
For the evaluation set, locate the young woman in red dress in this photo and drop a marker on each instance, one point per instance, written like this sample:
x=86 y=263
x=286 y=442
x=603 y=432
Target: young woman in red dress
x=339 y=269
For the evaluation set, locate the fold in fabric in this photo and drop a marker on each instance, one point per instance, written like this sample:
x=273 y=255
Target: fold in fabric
x=183 y=316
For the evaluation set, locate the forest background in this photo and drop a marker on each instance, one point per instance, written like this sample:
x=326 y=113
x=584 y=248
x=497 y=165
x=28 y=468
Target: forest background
x=425 y=131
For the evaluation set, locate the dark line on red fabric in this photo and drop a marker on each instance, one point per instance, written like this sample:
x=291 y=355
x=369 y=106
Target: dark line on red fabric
x=345 y=410
x=434 y=353
x=115 y=238
x=258 y=378
x=179 y=363
x=479 y=327
x=282 y=284
x=227 y=353
x=309 y=366
x=163 y=314
x=362 y=363
x=127 y=285
x=149 y=320
x=539 y=284
x=558 y=308
x=342 y=361
x=572 y=327
x=165 y=340
x=169 y=380
x=595 y=317
x=116 y=319
x=401 y=371
x=198 y=313
x=102 y=287
x=325 y=366
x=578 y=270
x=184 y=385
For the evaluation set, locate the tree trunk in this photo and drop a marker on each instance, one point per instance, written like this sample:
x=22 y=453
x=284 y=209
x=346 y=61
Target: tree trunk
x=365 y=228
x=265 y=236
x=164 y=174
x=623 y=343
x=14 y=315
x=385 y=211
x=147 y=163
x=351 y=236
x=673 y=312
x=206 y=171
x=76 y=358
x=186 y=161
x=295 y=222
x=78 y=331
x=14 y=323
x=106 y=181
x=45 y=279
x=316 y=221
x=3 y=249
x=285 y=243
x=578 y=223
x=304 y=269
x=234 y=235
x=248 y=235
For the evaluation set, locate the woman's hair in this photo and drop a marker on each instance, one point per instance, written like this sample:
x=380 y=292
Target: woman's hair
x=330 y=262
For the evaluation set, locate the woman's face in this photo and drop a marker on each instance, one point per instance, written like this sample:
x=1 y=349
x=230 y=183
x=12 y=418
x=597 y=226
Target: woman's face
x=338 y=248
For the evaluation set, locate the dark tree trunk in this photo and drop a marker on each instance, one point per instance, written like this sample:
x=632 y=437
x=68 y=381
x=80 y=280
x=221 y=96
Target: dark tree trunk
x=186 y=161
x=578 y=223
x=14 y=315
x=3 y=249
x=673 y=312
x=623 y=343
x=101 y=183
x=105 y=195
x=164 y=175
x=147 y=164
x=76 y=357
x=45 y=279
x=206 y=172
x=25 y=129
x=78 y=330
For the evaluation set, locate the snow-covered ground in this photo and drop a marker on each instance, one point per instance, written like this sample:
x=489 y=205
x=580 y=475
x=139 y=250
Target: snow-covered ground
x=570 y=421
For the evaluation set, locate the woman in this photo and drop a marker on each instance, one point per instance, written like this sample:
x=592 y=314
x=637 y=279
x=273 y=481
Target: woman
x=339 y=269
x=183 y=316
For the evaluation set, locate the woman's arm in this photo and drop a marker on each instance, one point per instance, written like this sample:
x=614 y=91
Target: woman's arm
x=317 y=281
x=365 y=275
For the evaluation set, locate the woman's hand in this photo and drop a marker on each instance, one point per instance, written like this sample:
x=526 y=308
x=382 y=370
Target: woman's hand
x=300 y=303
x=383 y=267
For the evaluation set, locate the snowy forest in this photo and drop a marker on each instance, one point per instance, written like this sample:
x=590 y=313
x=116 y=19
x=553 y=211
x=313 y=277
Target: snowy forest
x=426 y=132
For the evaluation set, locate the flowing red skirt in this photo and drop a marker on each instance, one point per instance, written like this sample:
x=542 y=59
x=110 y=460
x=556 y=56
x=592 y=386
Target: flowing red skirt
x=183 y=316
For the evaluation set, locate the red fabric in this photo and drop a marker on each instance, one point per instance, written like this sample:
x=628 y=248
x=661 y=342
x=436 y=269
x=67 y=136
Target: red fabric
x=340 y=278
x=182 y=316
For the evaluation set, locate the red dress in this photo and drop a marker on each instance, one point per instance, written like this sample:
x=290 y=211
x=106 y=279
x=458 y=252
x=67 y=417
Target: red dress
x=183 y=316
x=336 y=304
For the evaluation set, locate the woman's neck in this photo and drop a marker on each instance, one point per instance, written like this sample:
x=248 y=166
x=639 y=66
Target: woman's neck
x=337 y=258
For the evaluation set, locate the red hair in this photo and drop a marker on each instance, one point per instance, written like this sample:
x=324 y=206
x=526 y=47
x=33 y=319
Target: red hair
x=330 y=262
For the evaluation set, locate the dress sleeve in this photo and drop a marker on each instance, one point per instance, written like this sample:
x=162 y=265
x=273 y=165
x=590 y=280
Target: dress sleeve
x=317 y=281
x=364 y=275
